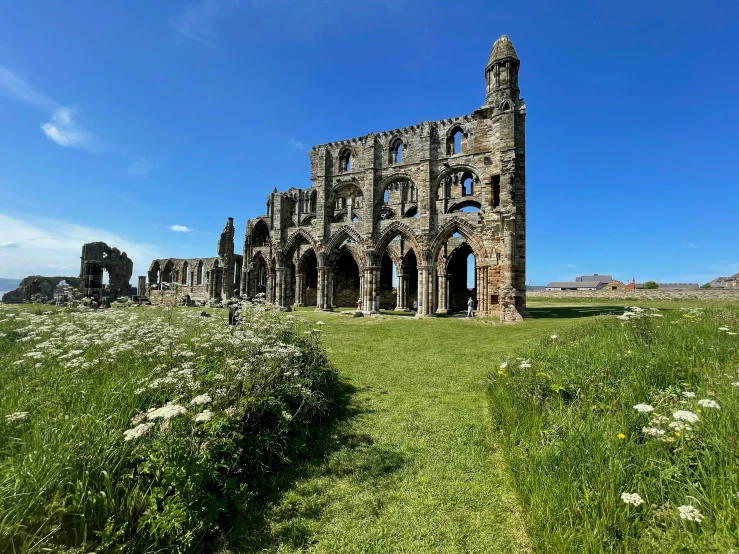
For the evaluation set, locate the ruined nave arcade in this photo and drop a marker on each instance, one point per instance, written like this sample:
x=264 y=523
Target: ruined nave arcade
x=416 y=202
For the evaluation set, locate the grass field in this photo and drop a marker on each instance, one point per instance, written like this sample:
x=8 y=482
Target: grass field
x=413 y=467
x=414 y=462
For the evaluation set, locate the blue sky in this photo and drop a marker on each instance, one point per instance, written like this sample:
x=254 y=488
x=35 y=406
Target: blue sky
x=126 y=121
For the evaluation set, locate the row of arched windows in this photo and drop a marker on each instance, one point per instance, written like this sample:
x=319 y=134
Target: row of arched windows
x=455 y=144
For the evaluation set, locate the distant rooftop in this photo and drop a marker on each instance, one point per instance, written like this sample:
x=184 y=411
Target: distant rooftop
x=595 y=277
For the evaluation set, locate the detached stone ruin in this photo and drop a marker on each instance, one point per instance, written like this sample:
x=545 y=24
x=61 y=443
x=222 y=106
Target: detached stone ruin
x=96 y=259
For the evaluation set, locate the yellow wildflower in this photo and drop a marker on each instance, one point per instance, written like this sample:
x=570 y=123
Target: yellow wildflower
x=621 y=436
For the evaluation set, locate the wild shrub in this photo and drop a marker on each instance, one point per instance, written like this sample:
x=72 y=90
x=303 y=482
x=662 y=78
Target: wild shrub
x=621 y=435
x=146 y=430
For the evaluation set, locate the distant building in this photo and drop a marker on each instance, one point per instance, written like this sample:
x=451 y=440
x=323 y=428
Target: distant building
x=605 y=279
x=576 y=285
x=616 y=285
x=732 y=282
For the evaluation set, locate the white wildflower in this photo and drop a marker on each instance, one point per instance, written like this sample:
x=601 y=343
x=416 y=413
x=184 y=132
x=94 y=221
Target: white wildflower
x=632 y=498
x=205 y=415
x=504 y=365
x=286 y=415
x=15 y=416
x=139 y=431
x=688 y=394
x=685 y=415
x=554 y=337
x=732 y=333
x=680 y=426
x=707 y=403
x=167 y=412
x=659 y=420
x=643 y=408
x=690 y=513
x=653 y=431
x=320 y=323
x=526 y=364
x=735 y=384
x=202 y=399
x=723 y=328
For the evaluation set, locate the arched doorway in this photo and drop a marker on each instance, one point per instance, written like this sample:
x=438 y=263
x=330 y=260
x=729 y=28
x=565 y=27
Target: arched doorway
x=346 y=291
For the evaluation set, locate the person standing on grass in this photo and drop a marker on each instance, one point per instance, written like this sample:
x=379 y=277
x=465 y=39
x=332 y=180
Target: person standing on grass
x=415 y=306
x=470 y=307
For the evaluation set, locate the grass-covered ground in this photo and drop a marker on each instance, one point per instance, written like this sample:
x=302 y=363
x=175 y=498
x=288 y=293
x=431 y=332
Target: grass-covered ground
x=413 y=461
x=414 y=467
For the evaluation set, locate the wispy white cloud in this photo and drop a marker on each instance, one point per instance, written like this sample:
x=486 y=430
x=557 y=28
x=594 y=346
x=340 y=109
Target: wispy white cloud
x=570 y=265
x=198 y=23
x=62 y=127
x=64 y=130
x=13 y=86
x=296 y=143
x=51 y=247
x=142 y=167
x=179 y=229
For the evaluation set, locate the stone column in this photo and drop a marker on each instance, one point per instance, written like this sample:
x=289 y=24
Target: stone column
x=425 y=290
x=369 y=299
x=141 y=289
x=443 y=294
x=282 y=288
x=325 y=284
x=299 y=292
x=401 y=301
x=271 y=288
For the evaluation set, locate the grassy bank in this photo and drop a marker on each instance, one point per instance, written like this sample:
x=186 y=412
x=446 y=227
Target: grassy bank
x=146 y=430
x=621 y=435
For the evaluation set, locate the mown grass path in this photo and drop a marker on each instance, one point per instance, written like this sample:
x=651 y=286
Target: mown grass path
x=413 y=468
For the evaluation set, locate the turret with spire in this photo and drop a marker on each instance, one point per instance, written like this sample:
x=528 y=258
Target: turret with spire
x=501 y=73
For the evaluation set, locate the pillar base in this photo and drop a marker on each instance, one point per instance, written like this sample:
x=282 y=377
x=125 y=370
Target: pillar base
x=324 y=310
x=443 y=311
x=286 y=309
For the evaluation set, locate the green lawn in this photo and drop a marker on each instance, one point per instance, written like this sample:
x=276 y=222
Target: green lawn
x=412 y=466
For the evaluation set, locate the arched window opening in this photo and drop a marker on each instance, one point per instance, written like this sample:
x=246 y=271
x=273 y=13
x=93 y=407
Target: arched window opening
x=200 y=273
x=355 y=219
x=469 y=209
x=412 y=212
x=455 y=141
x=168 y=276
x=345 y=160
x=106 y=278
x=260 y=234
x=467 y=184
x=185 y=274
x=386 y=197
x=396 y=152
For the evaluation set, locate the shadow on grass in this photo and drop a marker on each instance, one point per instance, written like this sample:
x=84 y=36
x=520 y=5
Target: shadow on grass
x=289 y=505
x=572 y=312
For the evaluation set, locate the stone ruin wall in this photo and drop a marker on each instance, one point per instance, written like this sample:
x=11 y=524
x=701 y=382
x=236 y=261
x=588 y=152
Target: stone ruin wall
x=96 y=259
x=639 y=294
x=366 y=202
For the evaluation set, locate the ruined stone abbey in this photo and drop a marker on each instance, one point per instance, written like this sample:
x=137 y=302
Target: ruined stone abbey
x=415 y=201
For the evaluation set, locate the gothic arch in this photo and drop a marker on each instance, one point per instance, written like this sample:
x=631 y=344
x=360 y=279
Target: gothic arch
x=390 y=232
x=260 y=234
x=340 y=235
x=457 y=225
x=461 y=168
x=464 y=204
x=294 y=240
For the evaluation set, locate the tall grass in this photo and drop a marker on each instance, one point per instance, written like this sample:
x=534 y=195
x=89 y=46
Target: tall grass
x=574 y=443
x=143 y=430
